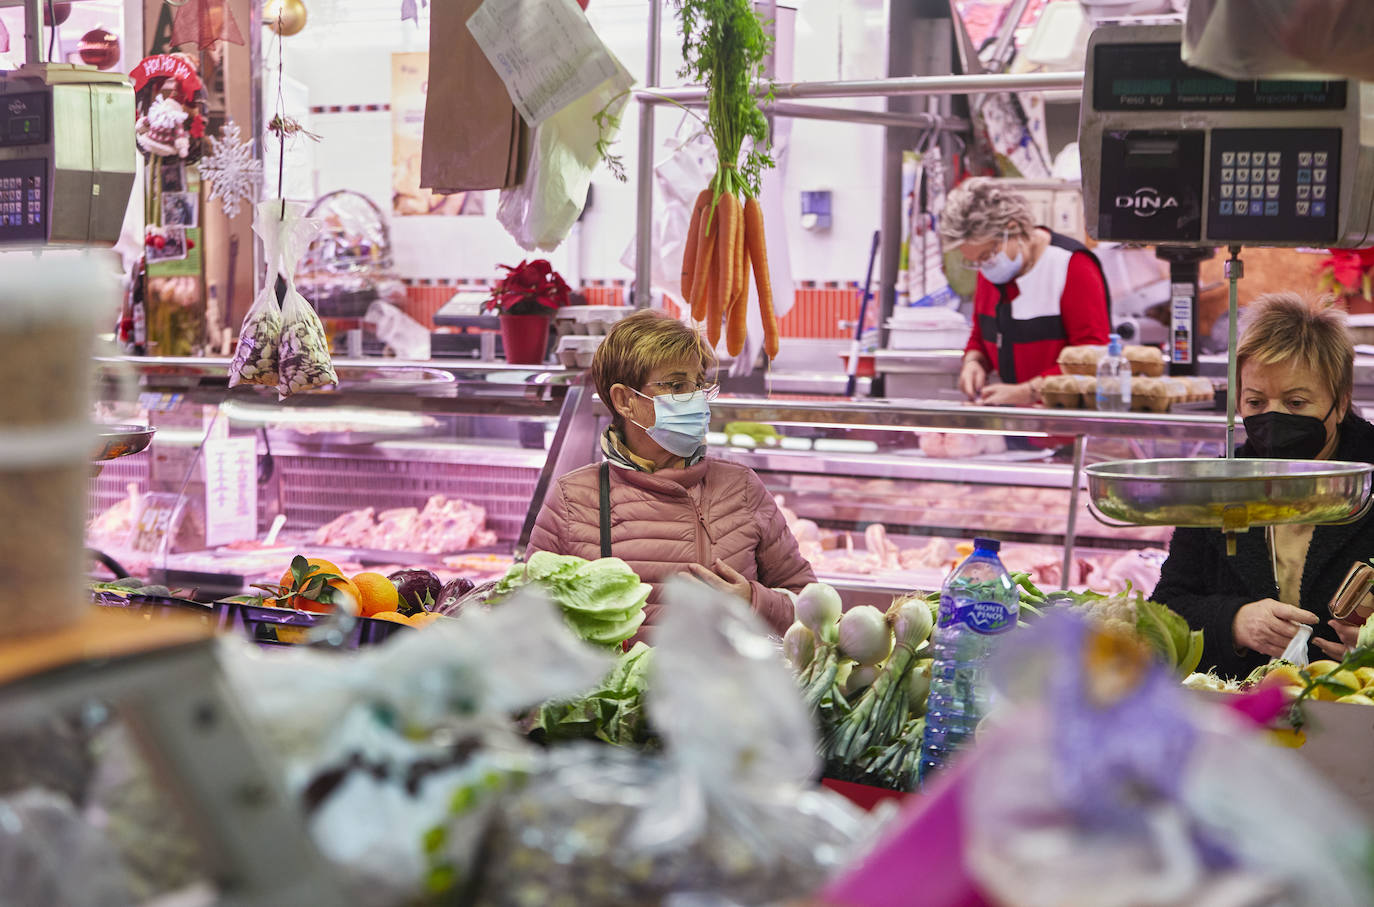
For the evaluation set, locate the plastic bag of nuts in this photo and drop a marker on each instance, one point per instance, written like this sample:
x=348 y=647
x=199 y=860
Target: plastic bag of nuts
x=305 y=362
x=255 y=359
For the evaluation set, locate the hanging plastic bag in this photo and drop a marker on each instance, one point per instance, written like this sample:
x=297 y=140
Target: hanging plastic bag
x=679 y=178
x=256 y=357
x=305 y=363
x=408 y=338
x=727 y=815
x=540 y=212
x=1286 y=39
x=1296 y=653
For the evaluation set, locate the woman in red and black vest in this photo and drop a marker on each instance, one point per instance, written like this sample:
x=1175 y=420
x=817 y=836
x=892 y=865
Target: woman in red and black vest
x=1037 y=292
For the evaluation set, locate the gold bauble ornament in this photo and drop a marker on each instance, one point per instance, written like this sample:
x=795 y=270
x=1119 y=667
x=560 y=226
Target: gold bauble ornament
x=285 y=17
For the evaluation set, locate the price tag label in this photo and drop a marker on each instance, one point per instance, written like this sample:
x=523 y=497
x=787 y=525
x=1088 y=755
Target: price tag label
x=155 y=520
x=231 y=490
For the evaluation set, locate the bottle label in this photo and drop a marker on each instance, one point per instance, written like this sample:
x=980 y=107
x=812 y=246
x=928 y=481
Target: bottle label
x=987 y=618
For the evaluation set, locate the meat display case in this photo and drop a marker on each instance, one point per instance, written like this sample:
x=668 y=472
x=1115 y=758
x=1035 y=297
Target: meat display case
x=880 y=492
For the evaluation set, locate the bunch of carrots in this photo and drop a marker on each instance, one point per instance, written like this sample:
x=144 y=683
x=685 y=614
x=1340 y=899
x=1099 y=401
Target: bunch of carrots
x=723 y=47
x=724 y=242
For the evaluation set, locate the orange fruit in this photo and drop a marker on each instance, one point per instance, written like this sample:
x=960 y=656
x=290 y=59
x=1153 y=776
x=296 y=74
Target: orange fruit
x=396 y=617
x=423 y=619
x=376 y=593
x=346 y=596
x=317 y=565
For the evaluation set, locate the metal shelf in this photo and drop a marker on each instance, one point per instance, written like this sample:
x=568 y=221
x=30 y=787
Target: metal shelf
x=937 y=416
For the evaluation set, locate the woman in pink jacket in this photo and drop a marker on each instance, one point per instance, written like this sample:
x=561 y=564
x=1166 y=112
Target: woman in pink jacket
x=657 y=501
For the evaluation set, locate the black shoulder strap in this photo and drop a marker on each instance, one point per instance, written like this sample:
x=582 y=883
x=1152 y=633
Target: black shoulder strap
x=605 y=508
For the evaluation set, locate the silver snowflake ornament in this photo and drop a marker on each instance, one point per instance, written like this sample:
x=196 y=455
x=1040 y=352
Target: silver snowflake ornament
x=230 y=170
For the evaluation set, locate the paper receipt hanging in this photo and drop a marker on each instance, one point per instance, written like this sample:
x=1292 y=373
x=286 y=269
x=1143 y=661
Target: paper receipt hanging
x=544 y=50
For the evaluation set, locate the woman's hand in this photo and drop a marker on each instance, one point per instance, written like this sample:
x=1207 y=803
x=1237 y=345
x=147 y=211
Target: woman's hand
x=1007 y=395
x=1267 y=626
x=723 y=578
x=973 y=376
x=1349 y=633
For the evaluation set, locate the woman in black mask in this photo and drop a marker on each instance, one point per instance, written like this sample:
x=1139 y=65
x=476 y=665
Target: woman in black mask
x=1296 y=368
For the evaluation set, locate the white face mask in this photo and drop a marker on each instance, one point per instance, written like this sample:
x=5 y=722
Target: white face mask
x=679 y=428
x=1000 y=269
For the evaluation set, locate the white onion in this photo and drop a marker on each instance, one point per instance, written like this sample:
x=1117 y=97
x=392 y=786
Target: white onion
x=911 y=621
x=864 y=636
x=799 y=646
x=818 y=607
x=918 y=686
x=861 y=677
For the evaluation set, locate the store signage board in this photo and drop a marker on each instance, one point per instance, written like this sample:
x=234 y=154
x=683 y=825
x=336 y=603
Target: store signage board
x=231 y=490
x=545 y=51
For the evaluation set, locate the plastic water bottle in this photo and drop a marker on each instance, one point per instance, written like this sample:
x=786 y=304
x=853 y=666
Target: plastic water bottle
x=1113 y=379
x=978 y=602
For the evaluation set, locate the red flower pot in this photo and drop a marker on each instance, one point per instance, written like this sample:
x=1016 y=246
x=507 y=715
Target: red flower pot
x=525 y=338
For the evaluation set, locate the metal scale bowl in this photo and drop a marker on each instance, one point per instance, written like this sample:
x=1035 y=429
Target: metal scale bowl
x=122 y=440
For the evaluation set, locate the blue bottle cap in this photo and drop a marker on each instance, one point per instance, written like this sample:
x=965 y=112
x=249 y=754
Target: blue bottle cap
x=982 y=544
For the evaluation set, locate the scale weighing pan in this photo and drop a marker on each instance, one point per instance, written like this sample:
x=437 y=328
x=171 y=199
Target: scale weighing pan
x=1228 y=494
x=121 y=440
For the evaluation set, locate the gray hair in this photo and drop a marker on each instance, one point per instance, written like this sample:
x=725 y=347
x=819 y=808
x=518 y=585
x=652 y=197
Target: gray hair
x=983 y=208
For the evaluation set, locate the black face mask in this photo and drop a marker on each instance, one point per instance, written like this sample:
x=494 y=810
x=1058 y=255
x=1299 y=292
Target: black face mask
x=1285 y=436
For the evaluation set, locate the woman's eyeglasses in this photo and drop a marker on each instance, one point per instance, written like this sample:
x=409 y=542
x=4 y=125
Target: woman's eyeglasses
x=974 y=264
x=682 y=391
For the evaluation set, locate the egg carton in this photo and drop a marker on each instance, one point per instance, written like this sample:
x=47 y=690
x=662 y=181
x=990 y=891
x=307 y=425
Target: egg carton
x=576 y=351
x=594 y=320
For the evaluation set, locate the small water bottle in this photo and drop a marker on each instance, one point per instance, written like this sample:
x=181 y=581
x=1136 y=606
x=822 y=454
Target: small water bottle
x=978 y=602
x=1114 y=379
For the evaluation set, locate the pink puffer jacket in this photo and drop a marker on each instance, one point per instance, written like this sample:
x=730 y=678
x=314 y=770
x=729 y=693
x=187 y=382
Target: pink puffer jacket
x=664 y=520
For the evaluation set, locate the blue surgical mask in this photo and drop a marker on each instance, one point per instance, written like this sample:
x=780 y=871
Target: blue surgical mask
x=1001 y=269
x=679 y=427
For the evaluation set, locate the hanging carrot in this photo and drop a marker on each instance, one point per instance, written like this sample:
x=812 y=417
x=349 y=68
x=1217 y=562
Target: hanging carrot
x=702 y=284
x=737 y=318
x=689 y=252
x=758 y=258
x=727 y=242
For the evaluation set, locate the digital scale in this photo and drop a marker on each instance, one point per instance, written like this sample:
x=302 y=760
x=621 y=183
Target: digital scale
x=1187 y=160
x=67 y=152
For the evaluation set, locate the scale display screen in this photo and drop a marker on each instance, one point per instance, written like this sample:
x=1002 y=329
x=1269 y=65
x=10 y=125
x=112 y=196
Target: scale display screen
x=1153 y=77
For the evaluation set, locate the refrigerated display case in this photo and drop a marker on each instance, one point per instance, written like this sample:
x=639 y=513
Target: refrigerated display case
x=879 y=492
x=404 y=464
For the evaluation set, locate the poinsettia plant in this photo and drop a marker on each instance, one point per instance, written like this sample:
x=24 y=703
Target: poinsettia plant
x=529 y=288
x=1349 y=272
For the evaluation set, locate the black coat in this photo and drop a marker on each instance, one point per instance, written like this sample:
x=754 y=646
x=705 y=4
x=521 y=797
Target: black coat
x=1207 y=588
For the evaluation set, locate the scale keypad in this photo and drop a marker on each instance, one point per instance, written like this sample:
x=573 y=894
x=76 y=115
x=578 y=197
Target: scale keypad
x=1277 y=184
x=23 y=199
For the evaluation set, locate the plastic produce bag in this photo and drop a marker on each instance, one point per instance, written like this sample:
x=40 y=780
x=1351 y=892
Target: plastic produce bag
x=679 y=177
x=540 y=212
x=384 y=745
x=1100 y=781
x=305 y=362
x=408 y=338
x=255 y=358
x=50 y=857
x=727 y=815
x=1262 y=39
